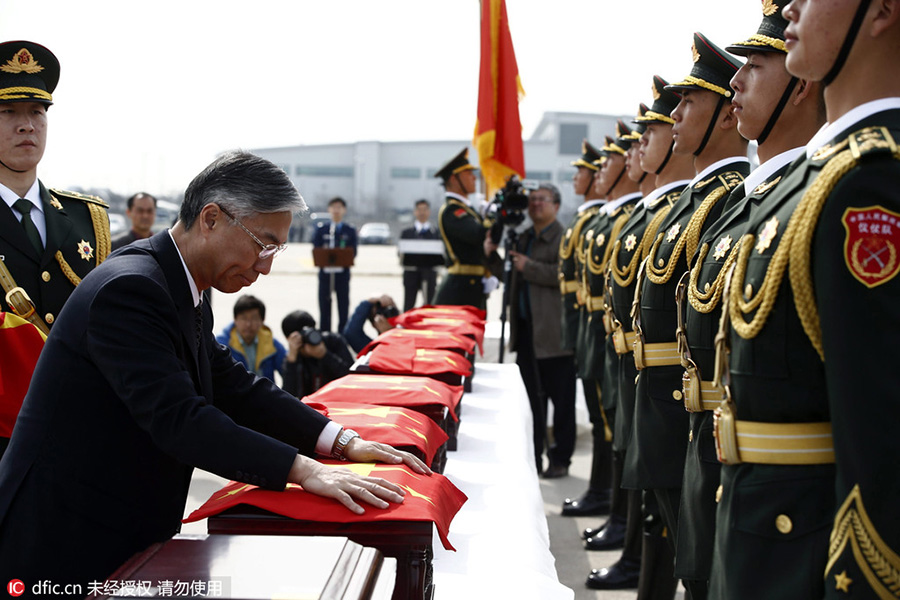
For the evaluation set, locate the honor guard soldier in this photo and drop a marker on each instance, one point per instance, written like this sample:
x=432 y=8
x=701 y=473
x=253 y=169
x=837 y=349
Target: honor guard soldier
x=595 y=500
x=705 y=129
x=49 y=239
x=806 y=433
x=463 y=230
x=622 y=193
x=781 y=113
x=671 y=174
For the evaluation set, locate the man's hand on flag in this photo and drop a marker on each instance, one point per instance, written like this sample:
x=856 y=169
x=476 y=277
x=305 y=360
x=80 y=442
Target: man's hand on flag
x=343 y=485
x=360 y=450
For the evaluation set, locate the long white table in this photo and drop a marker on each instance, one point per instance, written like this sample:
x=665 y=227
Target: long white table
x=501 y=535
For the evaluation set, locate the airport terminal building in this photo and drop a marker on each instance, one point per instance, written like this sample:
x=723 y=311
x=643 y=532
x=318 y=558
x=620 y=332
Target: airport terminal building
x=381 y=180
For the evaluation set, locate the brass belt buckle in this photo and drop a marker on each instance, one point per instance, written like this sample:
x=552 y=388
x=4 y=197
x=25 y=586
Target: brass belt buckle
x=639 y=351
x=17 y=305
x=690 y=385
x=725 y=433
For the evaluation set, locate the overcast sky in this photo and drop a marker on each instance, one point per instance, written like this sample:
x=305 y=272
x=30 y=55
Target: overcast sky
x=150 y=92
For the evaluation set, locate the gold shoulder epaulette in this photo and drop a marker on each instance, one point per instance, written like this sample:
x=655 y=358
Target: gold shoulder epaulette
x=731 y=179
x=80 y=197
x=872 y=140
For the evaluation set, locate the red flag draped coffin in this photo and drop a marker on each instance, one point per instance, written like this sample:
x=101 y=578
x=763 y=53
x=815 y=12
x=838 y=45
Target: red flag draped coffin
x=402 y=530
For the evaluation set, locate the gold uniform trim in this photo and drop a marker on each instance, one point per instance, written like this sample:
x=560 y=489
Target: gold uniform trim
x=691 y=80
x=624 y=275
x=758 y=39
x=651 y=115
x=19 y=92
x=877 y=561
x=461 y=269
x=793 y=250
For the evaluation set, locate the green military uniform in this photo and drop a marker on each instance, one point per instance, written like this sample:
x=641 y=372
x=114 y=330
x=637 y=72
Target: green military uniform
x=37 y=274
x=463 y=230
x=656 y=451
x=828 y=232
x=700 y=305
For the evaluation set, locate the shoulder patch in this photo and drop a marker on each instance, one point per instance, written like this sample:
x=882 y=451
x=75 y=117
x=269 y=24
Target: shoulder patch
x=871 y=140
x=871 y=243
x=80 y=197
x=731 y=179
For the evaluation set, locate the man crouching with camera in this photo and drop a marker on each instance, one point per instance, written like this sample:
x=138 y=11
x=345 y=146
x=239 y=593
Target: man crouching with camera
x=313 y=357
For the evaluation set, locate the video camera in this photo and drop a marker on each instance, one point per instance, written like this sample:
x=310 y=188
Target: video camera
x=508 y=207
x=387 y=312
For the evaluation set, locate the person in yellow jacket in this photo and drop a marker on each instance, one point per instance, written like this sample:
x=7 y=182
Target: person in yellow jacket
x=251 y=342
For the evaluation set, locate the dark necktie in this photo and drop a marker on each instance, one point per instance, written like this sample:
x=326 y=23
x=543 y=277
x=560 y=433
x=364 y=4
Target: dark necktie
x=198 y=323
x=34 y=236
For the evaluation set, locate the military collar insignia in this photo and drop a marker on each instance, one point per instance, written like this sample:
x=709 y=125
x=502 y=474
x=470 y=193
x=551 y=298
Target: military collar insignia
x=769 y=232
x=55 y=203
x=842 y=582
x=672 y=233
x=85 y=250
x=22 y=62
x=702 y=184
x=722 y=247
x=731 y=179
x=765 y=187
x=630 y=242
x=828 y=150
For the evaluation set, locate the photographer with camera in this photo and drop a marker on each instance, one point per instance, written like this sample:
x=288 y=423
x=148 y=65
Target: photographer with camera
x=547 y=369
x=376 y=311
x=313 y=357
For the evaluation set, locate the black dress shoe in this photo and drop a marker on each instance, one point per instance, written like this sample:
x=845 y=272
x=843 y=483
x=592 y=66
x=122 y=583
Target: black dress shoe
x=555 y=472
x=593 y=531
x=612 y=537
x=590 y=503
x=623 y=574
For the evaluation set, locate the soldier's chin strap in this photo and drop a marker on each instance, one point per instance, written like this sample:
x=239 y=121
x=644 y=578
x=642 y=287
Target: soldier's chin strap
x=618 y=179
x=761 y=139
x=712 y=126
x=11 y=169
x=848 y=42
x=665 y=160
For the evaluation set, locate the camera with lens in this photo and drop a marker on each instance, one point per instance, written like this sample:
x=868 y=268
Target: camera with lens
x=387 y=312
x=508 y=207
x=311 y=336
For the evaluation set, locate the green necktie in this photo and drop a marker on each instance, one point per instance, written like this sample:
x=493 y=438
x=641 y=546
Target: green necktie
x=34 y=236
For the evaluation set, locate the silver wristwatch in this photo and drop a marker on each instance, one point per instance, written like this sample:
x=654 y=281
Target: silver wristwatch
x=341 y=444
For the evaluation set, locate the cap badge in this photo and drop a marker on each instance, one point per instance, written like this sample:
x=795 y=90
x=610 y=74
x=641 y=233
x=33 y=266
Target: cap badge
x=655 y=92
x=694 y=52
x=85 y=250
x=22 y=62
x=769 y=8
x=767 y=235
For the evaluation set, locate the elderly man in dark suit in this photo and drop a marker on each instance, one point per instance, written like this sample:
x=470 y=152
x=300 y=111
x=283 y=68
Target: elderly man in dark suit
x=548 y=370
x=100 y=461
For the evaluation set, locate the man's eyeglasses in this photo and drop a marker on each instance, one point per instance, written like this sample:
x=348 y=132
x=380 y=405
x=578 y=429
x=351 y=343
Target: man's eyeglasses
x=268 y=250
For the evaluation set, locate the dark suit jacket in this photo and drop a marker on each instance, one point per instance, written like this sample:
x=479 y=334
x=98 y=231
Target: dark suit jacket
x=120 y=410
x=421 y=260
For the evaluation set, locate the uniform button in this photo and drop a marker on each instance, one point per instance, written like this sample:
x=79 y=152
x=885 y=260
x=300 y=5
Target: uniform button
x=49 y=318
x=690 y=436
x=661 y=262
x=748 y=291
x=677 y=395
x=45 y=276
x=783 y=524
x=718 y=494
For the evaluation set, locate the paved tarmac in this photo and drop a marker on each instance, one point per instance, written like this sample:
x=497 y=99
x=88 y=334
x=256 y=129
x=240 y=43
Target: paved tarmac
x=293 y=285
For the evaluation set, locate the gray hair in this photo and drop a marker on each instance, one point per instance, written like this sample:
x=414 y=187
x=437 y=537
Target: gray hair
x=243 y=183
x=546 y=185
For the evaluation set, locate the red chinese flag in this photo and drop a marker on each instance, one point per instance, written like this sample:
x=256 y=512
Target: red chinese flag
x=404 y=358
x=21 y=344
x=428 y=498
x=388 y=390
x=498 y=130
x=451 y=324
x=422 y=338
x=393 y=425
